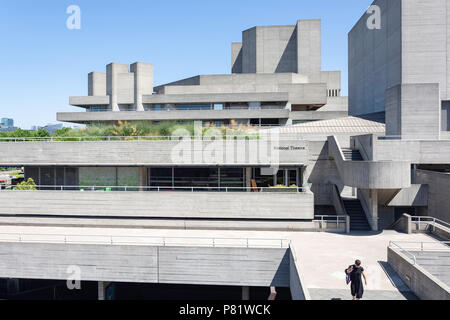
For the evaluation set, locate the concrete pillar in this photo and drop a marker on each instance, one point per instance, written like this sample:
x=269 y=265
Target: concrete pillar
x=248 y=179
x=102 y=290
x=142 y=178
x=273 y=294
x=245 y=293
x=143 y=82
x=112 y=83
x=373 y=207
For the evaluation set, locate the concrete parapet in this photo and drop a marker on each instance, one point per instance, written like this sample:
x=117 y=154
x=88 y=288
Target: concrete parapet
x=370 y=174
x=420 y=281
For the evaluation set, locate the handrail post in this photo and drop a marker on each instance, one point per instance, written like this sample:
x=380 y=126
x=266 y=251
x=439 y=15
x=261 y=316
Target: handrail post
x=347 y=224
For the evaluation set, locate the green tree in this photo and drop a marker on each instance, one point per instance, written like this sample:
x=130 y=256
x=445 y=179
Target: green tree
x=26 y=185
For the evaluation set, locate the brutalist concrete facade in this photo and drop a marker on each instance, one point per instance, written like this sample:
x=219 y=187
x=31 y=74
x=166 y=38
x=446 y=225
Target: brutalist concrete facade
x=276 y=74
x=392 y=69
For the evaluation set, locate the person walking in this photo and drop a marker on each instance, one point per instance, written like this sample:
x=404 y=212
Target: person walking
x=355 y=272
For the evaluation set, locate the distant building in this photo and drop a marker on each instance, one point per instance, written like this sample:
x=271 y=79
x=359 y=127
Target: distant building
x=51 y=128
x=7 y=124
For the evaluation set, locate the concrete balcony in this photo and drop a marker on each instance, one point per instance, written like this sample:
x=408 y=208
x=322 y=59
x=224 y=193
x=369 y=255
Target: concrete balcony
x=168 y=205
x=370 y=174
x=89 y=101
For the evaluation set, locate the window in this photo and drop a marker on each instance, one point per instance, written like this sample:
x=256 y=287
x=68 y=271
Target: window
x=193 y=106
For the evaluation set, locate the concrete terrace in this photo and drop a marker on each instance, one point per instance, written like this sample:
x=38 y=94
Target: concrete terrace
x=321 y=257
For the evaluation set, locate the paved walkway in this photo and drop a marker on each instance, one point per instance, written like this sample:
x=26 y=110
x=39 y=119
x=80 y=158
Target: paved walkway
x=322 y=257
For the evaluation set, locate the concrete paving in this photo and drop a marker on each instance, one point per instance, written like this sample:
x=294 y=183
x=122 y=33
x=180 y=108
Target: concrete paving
x=322 y=257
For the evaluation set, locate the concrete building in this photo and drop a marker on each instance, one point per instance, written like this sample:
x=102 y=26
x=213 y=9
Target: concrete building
x=276 y=79
x=317 y=170
x=408 y=56
x=7 y=124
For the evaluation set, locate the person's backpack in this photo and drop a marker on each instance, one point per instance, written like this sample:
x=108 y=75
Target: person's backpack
x=347 y=276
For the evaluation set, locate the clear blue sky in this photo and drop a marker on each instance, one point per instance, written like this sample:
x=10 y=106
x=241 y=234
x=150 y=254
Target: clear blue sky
x=43 y=63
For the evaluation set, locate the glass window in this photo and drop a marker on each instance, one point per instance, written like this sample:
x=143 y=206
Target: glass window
x=47 y=178
x=232 y=178
x=160 y=177
x=196 y=178
x=193 y=106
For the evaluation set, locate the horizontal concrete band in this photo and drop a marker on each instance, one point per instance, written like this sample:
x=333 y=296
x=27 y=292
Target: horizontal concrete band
x=178 y=265
x=245 y=205
x=173 y=115
x=129 y=153
x=198 y=115
x=215 y=97
x=174 y=223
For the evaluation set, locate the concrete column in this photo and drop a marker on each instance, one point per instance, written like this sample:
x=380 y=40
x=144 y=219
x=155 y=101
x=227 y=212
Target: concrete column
x=373 y=207
x=143 y=82
x=102 y=290
x=112 y=83
x=142 y=178
x=245 y=293
x=273 y=294
x=248 y=179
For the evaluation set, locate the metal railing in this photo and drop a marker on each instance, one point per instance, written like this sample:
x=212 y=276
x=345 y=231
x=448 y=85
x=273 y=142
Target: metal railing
x=30 y=188
x=338 y=219
x=163 y=241
x=243 y=136
x=421 y=246
x=431 y=220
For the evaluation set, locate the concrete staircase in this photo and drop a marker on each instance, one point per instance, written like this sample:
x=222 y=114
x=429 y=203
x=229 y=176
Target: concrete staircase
x=358 y=219
x=352 y=155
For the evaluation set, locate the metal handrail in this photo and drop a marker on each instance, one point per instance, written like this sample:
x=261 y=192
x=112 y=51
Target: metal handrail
x=391 y=243
x=421 y=219
x=162 y=240
x=421 y=247
x=244 y=136
x=28 y=188
x=337 y=218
